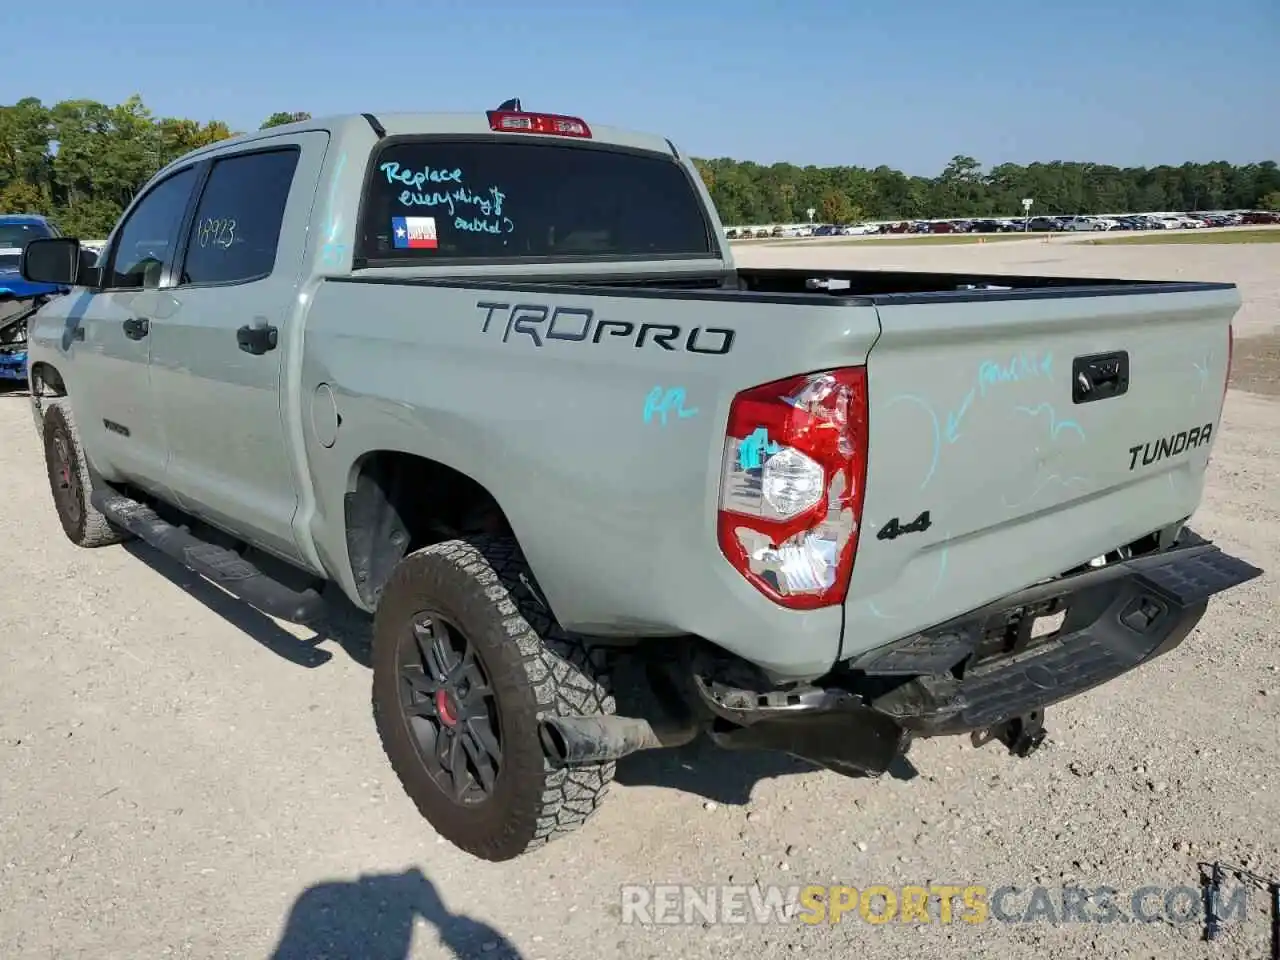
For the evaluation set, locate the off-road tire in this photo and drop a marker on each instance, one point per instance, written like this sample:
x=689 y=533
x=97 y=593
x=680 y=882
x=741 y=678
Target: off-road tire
x=484 y=586
x=81 y=522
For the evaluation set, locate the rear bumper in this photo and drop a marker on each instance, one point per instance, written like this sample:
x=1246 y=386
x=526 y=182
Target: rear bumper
x=984 y=668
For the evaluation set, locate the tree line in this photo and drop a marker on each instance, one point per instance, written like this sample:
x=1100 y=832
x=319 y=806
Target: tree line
x=749 y=193
x=81 y=162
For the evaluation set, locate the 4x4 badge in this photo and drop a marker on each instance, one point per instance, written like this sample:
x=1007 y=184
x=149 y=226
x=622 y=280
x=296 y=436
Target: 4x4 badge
x=895 y=528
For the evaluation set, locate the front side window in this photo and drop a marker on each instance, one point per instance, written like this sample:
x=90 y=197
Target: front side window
x=145 y=245
x=237 y=225
x=452 y=199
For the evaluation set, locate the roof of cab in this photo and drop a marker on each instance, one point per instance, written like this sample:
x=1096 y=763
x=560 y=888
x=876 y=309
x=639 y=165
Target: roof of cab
x=408 y=124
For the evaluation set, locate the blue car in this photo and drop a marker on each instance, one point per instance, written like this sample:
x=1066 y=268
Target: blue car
x=19 y=298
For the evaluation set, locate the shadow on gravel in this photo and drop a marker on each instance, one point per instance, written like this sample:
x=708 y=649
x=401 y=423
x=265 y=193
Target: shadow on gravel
x=704 y=769
x=345 y=625
x=372 y=918
x=725 y=776
x=699 y=768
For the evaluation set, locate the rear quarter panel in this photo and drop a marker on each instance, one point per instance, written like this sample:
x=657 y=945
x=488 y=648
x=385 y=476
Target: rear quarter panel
x=614 y=509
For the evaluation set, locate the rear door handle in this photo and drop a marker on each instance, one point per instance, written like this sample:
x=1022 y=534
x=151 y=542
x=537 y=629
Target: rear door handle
x=257 y=340
x=1099 y=376
x=135 y=328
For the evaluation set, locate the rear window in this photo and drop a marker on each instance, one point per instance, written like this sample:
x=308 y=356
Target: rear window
x=432 y=200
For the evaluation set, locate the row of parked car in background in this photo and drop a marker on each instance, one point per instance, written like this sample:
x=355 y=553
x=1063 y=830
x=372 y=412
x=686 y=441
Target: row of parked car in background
x=1045 y=224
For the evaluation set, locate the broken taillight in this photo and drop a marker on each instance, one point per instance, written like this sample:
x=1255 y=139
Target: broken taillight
x=791 y=491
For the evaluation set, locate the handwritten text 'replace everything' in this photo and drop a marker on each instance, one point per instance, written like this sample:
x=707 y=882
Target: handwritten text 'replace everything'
x=471 y=209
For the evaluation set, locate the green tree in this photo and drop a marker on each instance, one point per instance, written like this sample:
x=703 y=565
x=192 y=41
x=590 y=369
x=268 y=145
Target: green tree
x=838 y=208
x=1271 y=201
x=18 y=196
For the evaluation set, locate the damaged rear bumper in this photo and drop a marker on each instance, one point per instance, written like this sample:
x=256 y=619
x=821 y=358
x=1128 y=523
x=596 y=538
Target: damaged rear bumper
x=984 y=668
x=987 y=667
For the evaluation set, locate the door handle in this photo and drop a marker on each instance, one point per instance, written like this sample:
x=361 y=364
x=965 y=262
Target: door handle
x=257 y=340
x=135 y=328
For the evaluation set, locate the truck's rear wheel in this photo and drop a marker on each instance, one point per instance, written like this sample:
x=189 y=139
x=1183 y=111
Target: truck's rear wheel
x=465 y=663
x=71 y=482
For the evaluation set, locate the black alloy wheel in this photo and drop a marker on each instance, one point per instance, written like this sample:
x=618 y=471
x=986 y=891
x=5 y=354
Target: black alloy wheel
x=450 y=709
x=68 y=494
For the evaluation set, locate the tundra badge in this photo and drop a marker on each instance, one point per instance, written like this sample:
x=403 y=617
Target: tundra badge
x=1180 y=442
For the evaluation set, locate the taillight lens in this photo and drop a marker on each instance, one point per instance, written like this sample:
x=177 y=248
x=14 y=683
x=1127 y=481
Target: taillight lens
x=553 y=124
x=792 y=484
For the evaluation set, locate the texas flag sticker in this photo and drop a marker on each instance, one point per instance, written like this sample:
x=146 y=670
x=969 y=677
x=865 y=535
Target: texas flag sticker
x=414 y=233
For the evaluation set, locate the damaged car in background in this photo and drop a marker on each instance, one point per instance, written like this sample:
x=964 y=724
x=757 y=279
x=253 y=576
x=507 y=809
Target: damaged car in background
x=19 y=298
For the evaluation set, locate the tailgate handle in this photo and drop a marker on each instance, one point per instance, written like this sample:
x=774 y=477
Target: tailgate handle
x=1099 y=376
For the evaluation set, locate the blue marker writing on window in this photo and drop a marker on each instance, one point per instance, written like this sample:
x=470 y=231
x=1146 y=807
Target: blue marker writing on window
x=662 y=403
x=755 y=447
x=417 y=178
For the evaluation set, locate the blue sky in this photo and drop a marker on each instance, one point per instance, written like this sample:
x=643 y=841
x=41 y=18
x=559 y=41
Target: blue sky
x=907 y=83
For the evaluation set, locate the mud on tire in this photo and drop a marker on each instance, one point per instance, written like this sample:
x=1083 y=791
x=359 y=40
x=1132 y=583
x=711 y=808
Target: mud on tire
x=71 y=482
x=483 y=588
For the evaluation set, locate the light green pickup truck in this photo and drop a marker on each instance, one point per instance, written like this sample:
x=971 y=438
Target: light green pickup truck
x=497 y=378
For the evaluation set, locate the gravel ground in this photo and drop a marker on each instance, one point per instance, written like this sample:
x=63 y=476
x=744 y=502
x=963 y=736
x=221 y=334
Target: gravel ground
x=182 y=777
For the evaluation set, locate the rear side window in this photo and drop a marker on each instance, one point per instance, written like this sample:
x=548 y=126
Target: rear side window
x=237 y=224
x=448 y=199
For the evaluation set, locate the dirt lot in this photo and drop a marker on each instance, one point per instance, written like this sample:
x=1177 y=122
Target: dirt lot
x=183 y=777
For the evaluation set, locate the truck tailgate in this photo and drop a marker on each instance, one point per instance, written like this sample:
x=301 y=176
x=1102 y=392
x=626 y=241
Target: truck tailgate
x=1015 y=436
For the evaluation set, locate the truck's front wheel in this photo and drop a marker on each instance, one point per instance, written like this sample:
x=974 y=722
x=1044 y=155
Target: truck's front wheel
x=465 y=663
x=70 y=481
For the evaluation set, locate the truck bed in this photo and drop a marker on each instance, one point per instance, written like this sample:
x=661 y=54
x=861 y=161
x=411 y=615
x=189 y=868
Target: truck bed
x=798 y=285
x=899 y=286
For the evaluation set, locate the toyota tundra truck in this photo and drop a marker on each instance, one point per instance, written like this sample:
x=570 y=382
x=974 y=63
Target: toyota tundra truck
x=496 y=378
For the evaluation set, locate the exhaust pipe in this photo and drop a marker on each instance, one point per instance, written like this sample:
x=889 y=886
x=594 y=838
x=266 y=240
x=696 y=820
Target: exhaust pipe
x=572 y=741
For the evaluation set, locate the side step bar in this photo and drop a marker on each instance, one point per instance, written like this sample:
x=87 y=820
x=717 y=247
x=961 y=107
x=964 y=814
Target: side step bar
x=224 y=567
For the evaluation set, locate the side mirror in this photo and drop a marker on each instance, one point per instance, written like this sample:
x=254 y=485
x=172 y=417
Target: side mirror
x=90 y=274
x=53 y=260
